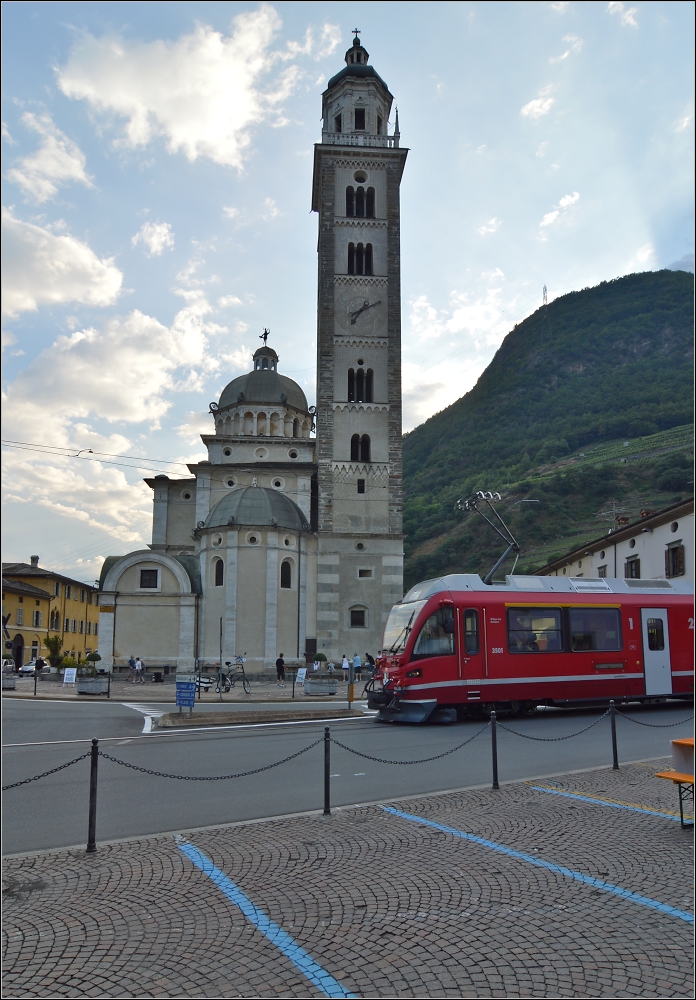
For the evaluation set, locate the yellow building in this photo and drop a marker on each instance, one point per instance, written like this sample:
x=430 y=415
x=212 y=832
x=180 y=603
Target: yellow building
x=71 y=612
x=25 y=616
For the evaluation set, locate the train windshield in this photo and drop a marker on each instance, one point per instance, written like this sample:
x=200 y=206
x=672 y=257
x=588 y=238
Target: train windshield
x=400 y=622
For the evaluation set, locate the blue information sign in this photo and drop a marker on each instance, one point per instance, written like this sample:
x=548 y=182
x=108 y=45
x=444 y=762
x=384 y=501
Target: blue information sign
x=185 y=694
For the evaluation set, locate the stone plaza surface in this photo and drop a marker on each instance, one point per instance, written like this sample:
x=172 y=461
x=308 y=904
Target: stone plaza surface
x=383 y=905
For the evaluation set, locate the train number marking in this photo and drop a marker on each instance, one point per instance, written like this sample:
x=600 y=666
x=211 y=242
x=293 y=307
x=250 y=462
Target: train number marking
x=630 y=623
x=496 y=649
x=691 y=623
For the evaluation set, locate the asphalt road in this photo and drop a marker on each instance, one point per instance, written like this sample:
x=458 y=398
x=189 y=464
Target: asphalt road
x=52 y=812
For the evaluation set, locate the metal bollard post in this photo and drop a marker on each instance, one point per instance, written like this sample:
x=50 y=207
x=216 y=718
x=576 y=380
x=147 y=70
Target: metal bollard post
x=108 y=684
x=294 y=677
x=92 y=832
x=327 y=771
x=494 y=748
x=614 y=750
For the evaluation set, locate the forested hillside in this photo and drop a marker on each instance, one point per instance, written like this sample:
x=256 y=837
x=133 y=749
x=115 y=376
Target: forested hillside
x=587 y=406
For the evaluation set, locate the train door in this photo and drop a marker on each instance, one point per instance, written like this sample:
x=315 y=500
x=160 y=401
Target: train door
x=471 y=652
x=658 y=668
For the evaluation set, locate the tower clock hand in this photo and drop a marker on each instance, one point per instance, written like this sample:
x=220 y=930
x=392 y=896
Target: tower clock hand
x=365 y=305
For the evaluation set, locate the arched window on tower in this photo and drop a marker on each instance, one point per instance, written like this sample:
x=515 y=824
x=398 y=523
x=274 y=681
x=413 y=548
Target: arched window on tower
x=337 y=123
x=296 y=428
x=286 y=575
x=360 y=259
x=351 y=385
x=219 y=572
x=369 y=381
x=360 y=386
x=368 y=258
x=350 y=201
x=351 y=258
x=370 y=203
x=365 y=448
x=355 y=448
x=360 y=202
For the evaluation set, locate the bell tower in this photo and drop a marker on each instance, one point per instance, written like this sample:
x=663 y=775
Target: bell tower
x=357 y=174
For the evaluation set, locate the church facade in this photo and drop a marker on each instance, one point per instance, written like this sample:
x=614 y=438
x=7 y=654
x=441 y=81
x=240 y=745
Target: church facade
x=288 y=538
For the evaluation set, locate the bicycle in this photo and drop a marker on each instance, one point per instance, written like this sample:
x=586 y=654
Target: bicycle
x=227 y=681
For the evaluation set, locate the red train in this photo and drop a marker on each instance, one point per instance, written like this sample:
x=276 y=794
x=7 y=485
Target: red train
x=459 y=647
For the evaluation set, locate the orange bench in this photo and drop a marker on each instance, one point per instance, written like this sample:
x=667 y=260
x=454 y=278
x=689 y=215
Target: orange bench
x=682 y=755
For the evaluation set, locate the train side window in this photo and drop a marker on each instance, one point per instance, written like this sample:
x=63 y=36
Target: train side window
x=595 y=628
x=656 y=634
x=436 y=637
x=535 y=630
x=471 y=631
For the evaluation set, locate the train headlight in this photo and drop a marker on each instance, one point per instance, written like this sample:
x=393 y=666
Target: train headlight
x=415 y=673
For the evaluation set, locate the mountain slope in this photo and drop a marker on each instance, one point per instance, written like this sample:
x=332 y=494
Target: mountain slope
x=606 y=363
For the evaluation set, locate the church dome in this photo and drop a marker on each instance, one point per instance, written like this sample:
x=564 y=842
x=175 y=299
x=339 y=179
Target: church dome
x=257 y=506
x=264 y=385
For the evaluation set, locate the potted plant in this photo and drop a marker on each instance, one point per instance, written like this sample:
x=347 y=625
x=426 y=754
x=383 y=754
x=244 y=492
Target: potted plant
x=53 y=644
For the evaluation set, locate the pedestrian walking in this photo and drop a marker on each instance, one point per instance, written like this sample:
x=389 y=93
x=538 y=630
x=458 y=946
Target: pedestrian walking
x=280 y=671
x=357 y=667
x=131 y=664
x=345 y=667
x=370 y=664
x=139 y=671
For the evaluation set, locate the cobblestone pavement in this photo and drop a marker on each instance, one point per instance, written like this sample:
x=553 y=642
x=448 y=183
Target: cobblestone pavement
x=386 y=906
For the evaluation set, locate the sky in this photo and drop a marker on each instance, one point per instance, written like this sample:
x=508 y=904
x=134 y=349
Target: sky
x=156 y=213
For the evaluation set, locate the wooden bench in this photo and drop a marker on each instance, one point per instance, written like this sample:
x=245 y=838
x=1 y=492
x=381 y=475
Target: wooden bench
x=682 y=756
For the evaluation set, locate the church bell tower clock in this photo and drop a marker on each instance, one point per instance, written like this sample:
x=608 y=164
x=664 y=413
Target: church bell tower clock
x=357 y=173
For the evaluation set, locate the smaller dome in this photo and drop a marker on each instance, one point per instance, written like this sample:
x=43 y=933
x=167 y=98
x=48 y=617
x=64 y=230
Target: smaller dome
x=257 y=506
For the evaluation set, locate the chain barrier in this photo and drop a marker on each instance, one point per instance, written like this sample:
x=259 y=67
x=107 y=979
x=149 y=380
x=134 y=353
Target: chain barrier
x=424 y=760
x=553 y=739
x=214 y=777
x=36 y=777
x=655 y=725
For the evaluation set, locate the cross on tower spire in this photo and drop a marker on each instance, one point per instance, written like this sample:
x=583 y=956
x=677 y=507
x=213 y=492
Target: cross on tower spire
x=356 y=32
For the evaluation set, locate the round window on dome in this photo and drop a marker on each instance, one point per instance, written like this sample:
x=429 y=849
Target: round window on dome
x=292 y=453
x=278 y=484
x=632 y=544
x=360 y=177
x=261 y=453
x=674 y=526
x=230 y=481
x=186 y=494
x=253 y=539
x=217 y=541
x=227 y=452
x=360 y=546
x=601 y=554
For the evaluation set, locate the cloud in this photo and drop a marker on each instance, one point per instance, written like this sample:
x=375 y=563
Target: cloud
x=270 y=209
x=194 y=425
x=229 y=300
x=541 y=151
x=44 y=268
x=685 y=263
x=683 y=123
x=58 y=161
x=558 y=212
x=560 y=7
x=575 y=46
x=202 y=92
x=645 y=253
x=6 y=135
x=616 y=7
x=230 y=212
x=489 y=227
x=156 y=236
x=539 y=107
x=569 y=199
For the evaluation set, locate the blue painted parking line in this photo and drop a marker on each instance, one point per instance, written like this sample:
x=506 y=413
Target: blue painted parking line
x=604 y=802
x=596 y=883
x=318 y=976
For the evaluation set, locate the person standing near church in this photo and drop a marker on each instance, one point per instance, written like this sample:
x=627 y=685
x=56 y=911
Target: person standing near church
x=131 y=664
x=357 y=667
x=280 y=671
x=139 y=671
x=345 y=667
